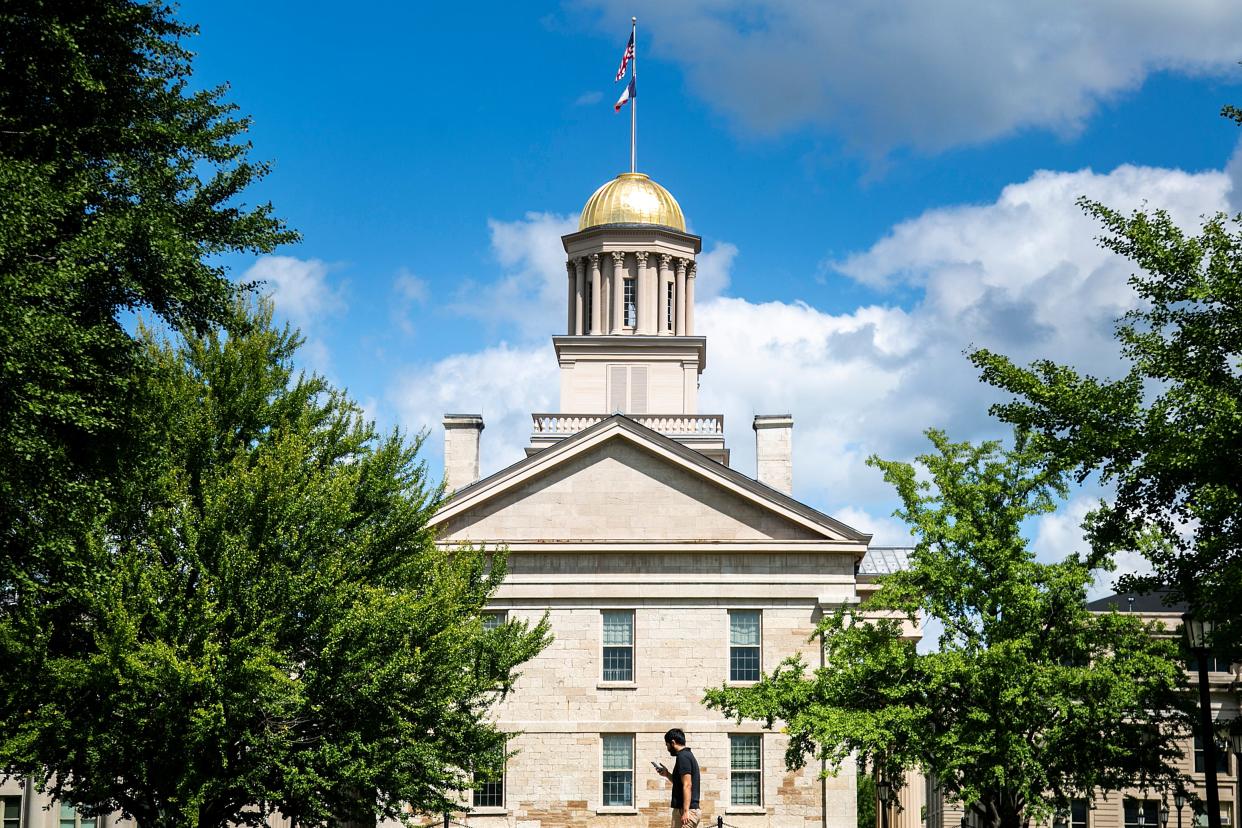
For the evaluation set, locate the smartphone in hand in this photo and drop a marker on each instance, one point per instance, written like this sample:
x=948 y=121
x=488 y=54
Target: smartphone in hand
x=659 y=767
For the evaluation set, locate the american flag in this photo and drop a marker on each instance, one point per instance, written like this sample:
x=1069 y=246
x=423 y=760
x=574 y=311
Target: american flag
x=626 y=58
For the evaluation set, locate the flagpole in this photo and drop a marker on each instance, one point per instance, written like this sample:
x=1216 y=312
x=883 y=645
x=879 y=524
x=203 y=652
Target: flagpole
x=634 y=102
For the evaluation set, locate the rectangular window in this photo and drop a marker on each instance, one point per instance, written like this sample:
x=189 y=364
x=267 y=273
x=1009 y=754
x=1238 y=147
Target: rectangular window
x=618 y=645
x=489 y=790
x=588 y=300
x=745 y=769
x=494 y=618
x=1226 y=816
x=618 y=754
x=69 y=818
x=744 y=644
x=631 y=305
x=1214 y=664
x=627 y=389
x=1080 y=812
x=668 y=322
x=1222 y=757
x=11 y=811
x=1148 y=809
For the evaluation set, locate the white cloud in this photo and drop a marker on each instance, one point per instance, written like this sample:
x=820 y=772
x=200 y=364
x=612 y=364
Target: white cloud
x=304 y=296
x=925 y=75
x=1022 y=275
x=409 y=291
x=503 y=383
x=299 y=287
x=588 y=98
x=531 y=294
x=712 y=271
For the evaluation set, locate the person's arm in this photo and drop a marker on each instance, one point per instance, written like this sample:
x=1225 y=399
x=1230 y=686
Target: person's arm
x=687 y=788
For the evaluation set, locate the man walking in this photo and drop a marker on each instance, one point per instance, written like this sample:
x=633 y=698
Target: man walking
x=685 y=779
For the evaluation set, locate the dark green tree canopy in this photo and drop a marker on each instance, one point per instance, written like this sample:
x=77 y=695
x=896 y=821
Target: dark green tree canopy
x=117 y=185
x=1029 y=699
x=1167 y=435
x=269 y=623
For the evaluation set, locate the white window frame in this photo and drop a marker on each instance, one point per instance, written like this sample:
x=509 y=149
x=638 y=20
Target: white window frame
x=755 y=772
x=604 y=646
x=480 y=807
x=1086 y=809
x=731 y=647
x=629 y=303
x=603 y=778
x=14 y=801
x=79 y=821
x=495 y=618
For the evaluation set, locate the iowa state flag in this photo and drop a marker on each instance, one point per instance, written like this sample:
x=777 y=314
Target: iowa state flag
x=630 y=93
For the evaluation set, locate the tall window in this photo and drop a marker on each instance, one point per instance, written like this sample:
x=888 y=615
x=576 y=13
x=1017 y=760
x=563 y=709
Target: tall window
x=70 y=818
x=588 y=299
x=1226 y=815
x=1149 y=808
x=618 y=645
x=744 y=644
x=668 y=322
x=1080 y=812
x=631 y=305
x=1222 y=757
x=745 y=769
x=489 y=791
x=618 y=754
x=11 y=811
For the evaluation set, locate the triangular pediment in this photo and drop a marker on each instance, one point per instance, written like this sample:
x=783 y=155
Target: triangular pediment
x=619 y=482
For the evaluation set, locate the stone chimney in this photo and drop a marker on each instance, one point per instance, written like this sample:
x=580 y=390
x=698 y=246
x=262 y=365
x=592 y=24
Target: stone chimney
x=774 y=451
x=461 y=449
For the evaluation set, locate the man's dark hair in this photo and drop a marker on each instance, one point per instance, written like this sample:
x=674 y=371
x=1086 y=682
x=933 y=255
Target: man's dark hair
x=675 y=735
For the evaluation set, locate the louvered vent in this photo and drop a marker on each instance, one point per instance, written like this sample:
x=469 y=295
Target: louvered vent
x=638 y=389
x=616 y=388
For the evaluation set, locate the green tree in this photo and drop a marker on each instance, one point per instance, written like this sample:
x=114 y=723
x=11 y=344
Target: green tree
x=1029 y=700
x=117 y=185
x=270 y=625
x=1168 y=434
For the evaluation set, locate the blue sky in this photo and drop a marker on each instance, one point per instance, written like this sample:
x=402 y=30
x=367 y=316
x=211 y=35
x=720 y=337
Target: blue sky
x=876 y=188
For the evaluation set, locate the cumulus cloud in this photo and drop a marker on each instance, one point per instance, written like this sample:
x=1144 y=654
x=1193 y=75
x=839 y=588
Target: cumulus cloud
x=1022 y=275
x=925 y=75
x=303 y=294
x=299 y=287
x=503 y=383
x=530 y=295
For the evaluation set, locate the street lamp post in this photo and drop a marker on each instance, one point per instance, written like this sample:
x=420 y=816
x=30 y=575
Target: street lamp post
x=884 y=790
x=1179 y=800
x=1164 y=815
x=1198 y=633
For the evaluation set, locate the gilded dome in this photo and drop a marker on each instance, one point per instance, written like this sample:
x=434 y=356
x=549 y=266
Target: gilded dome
x=632 y=198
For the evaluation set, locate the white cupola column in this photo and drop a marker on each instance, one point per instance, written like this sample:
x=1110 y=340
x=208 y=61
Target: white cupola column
x=597 y=297
x=690 y=271
x=643 y=290
x=580 y=305
x=569 y=299
x=662 y=283
x=679 y=315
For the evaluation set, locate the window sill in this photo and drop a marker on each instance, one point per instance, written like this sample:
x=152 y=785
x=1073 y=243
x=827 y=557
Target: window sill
x=616 y=810
x=489 y=810
x=731 y=683
x=746 y=809
x=617 y=685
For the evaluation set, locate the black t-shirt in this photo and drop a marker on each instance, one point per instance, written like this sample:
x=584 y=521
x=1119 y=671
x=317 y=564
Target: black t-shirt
x=685 y=764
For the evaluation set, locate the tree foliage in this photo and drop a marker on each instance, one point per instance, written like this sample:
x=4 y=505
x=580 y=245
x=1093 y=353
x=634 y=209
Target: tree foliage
x=1168 y=434
x=117 y=185
x=1029 y=700
x=268 y=624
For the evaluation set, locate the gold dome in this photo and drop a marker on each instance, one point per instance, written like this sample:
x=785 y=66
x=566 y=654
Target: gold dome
x=632 y=198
